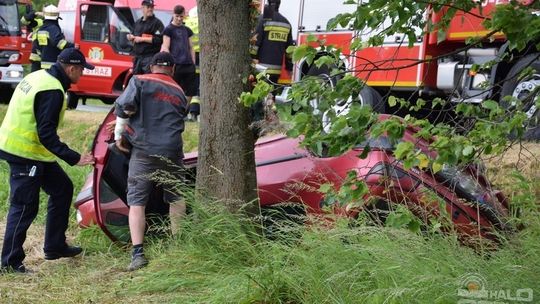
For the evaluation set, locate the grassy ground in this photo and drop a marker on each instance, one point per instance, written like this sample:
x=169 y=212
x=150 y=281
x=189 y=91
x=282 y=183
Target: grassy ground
x=214 y=258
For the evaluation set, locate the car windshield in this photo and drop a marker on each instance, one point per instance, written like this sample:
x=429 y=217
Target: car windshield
x=9 y=21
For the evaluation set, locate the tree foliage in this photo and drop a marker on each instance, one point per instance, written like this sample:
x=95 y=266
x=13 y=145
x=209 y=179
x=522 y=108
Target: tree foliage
x=485 y=129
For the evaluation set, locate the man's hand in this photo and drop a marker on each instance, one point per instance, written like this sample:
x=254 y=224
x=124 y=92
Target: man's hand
x=86 y=159
x=121 y=145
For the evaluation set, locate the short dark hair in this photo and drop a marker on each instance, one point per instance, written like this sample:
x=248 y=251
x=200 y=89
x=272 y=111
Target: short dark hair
x=275 y=4
x=179 y=10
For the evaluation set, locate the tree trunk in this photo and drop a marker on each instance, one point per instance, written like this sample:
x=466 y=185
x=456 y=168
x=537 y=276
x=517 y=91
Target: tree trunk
x=226 y=163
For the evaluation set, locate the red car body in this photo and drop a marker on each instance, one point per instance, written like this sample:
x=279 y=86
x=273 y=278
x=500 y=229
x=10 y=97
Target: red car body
x=288 y=173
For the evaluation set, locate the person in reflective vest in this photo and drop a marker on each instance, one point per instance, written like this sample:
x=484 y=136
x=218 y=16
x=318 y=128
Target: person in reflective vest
x=30 y=144
x=193 y=23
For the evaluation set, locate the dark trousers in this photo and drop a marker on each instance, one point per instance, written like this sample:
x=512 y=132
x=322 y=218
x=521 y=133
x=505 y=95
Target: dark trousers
x=24 y=204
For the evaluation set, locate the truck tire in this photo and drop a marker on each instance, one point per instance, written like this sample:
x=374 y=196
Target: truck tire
x=367 y=97
x=5 y=94
x=72 y=100
x=523 y=89
x=108 y=101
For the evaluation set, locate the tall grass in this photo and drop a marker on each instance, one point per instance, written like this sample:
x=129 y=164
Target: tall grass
x=219 y=258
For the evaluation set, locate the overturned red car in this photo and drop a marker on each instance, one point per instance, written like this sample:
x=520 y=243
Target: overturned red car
x=290 y=175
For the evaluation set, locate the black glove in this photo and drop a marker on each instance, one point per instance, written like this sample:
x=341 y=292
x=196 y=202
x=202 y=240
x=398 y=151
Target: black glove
x=30 y=15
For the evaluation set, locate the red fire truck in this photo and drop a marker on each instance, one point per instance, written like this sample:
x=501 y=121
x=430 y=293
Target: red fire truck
x=14 y=47
x=403 y=71
x=100 y=29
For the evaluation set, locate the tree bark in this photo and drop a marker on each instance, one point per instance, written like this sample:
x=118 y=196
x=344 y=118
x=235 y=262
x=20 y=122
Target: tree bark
x=226 y=163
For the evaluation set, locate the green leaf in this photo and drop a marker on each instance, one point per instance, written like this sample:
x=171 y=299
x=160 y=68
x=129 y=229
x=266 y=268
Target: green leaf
x=392 y=101
x=468 y=150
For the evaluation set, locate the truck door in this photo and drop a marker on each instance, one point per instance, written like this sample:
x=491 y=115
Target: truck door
x=101 y=32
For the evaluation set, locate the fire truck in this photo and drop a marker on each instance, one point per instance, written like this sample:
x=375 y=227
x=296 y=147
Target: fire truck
x=397 y=69
x=100 y=29
x=14 y=47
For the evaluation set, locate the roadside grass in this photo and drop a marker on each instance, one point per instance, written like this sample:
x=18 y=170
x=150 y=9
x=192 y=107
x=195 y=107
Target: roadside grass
x=216 y=258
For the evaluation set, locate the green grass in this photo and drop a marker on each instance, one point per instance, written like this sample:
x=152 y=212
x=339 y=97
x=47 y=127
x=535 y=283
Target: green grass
x=216 y=258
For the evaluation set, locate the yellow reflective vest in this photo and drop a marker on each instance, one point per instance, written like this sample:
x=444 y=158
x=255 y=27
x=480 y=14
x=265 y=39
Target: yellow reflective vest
x=18 y=133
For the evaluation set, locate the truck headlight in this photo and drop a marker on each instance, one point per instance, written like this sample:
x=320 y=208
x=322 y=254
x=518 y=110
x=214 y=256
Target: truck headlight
x=15 y=74
x=14 y=57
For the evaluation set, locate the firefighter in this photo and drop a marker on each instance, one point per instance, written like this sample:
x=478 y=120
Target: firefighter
x=193 y=23
x=33 y=21
x=147 y=38
x=271 y=39
x=50 y=40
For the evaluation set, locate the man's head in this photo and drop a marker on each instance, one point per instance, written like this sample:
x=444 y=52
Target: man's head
x=73 y=63
x=147 y=8
x=275 y=4
x=51 y=12
x=162 y=63
x=179 y=13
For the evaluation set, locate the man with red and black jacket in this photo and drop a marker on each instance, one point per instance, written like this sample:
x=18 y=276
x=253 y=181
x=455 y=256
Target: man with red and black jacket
x=150 y=116
x=147 y=38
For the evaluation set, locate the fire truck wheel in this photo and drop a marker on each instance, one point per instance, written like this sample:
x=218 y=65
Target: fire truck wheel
x=525 y=89
x=324 y=72
x=108 y=100
x=5 y=94
x=72 y=100
x=367 y=97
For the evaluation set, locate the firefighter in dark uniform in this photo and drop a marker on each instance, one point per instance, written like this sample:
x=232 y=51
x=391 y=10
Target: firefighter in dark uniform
x=147 y=38
x=271 y=39
x=49 y=40
x=33 y=21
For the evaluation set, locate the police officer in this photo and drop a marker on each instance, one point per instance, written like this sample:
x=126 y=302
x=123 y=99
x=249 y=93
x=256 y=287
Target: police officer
x=147 y=38
x=30 y=144
x=271 y=38
x=49 y=40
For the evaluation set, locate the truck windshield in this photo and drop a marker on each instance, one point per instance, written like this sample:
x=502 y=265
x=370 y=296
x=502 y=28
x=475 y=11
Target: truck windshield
x=9 y=21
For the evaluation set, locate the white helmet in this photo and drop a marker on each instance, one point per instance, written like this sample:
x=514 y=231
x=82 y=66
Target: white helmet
x=51 y=12
x=193 y=12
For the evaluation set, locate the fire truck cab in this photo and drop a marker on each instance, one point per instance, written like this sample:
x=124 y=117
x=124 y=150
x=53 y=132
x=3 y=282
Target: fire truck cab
x=14 y=47
x=404 y=71
x=100 y=29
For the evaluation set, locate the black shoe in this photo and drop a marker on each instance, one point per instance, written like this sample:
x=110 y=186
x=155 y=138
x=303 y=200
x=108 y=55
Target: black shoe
x=68 y=252
x=17 y=269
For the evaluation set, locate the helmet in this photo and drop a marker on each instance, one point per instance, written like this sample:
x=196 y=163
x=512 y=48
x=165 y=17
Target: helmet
x=51 y=12
x=193 y=12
